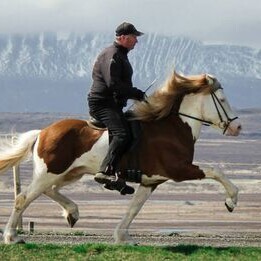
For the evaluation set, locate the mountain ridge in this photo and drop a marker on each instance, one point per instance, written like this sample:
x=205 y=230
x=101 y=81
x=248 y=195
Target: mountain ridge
x=48 y=71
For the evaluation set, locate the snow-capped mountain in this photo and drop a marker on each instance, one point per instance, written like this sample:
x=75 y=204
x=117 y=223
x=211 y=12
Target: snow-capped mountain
x=52 y=71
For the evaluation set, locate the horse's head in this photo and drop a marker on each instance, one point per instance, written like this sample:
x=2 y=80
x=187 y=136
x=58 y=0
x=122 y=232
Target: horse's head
x=217 y=111
x=196 y=98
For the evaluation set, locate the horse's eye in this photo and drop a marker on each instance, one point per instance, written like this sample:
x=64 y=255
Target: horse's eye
x=222 y=100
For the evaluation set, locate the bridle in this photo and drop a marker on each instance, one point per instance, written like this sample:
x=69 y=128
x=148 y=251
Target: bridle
x=224 y=123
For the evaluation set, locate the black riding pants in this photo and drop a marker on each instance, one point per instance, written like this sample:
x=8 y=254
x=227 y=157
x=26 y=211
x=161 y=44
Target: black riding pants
x=120 y=137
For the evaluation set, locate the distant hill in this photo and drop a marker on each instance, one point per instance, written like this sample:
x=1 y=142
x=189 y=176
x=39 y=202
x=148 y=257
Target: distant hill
x=51 y=72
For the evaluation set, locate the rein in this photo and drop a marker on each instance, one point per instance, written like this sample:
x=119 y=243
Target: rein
x=223 y=124
x=206 y=123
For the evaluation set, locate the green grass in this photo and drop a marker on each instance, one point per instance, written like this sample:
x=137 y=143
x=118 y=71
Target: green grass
x=108 y=252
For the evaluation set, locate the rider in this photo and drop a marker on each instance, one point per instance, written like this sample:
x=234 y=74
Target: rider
x=110 y=90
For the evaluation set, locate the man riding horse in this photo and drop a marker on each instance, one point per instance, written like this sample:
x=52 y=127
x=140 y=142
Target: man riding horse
x=110 y=90
x=171 y=123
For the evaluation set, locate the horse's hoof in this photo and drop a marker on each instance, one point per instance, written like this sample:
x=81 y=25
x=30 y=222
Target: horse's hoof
x=229 y=208
x=229 y=205
x=128 y=242
x=71 y=220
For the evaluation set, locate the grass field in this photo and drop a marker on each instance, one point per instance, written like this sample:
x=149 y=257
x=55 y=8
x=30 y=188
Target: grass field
x=117 y=252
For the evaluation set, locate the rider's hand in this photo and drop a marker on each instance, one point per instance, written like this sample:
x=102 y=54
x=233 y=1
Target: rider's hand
x=140 y=95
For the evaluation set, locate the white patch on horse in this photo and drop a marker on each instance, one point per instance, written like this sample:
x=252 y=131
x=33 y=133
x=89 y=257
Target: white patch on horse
x=93 y=158
x=39 y=164
x=40 y=170
x=188 y=105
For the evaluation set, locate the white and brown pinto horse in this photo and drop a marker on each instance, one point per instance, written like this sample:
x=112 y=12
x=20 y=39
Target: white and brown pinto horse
x=171 y=121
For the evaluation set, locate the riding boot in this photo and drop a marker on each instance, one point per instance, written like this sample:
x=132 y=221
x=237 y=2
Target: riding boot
x=120 y=185
x=106 y=176
x=113 y=182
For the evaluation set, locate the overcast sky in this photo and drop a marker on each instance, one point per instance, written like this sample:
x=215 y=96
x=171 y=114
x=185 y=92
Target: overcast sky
x=211 y=21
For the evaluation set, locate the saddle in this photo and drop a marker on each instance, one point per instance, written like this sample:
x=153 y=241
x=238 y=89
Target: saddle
x=135 y=127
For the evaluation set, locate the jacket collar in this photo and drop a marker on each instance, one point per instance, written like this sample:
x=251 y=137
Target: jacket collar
x=121 y=48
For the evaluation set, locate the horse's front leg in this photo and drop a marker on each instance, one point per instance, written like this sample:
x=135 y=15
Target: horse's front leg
x=121 y=234
x=70 y=209
x=231 y=189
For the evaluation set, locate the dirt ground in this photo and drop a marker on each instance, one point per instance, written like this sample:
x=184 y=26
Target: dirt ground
x=166 y=219
x=172 y=239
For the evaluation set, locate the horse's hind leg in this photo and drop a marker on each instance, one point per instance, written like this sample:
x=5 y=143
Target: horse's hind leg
x=70 y=209
x=121 y=232
x=22 y=201
x=231 y=189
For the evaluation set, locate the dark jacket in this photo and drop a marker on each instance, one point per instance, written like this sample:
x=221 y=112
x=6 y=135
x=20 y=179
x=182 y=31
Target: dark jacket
x=112 y=77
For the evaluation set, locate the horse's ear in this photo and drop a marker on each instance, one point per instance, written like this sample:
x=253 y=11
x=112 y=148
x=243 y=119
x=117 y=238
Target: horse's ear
x=209 y=79
x=178 y=74
x=175 y=75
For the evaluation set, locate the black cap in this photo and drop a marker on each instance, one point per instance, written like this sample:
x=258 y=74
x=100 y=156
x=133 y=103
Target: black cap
x=127 y=28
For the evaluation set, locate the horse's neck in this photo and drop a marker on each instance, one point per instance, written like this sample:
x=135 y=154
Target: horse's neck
x=192 y=105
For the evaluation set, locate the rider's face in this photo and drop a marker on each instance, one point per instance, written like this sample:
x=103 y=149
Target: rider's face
x=129 y=41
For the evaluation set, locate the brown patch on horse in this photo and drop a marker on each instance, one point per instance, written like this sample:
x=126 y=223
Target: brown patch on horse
x=167 y=144
x=74 y=174
x=166 y=149
x=64 y=141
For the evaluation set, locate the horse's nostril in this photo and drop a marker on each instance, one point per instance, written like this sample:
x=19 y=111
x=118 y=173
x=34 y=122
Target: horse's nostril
x=239 y=127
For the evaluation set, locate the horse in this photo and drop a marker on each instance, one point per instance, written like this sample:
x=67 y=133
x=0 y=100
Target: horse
x=170 y=120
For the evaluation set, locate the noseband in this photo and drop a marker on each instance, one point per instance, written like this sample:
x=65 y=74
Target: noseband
x=224 y=123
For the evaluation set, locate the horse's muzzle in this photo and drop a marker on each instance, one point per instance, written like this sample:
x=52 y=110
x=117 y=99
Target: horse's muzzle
x=234 y=128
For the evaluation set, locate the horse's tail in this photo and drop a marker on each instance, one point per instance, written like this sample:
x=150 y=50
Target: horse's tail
x=14 y=151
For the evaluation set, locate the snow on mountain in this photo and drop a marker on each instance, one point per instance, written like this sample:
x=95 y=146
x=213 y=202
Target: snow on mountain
x=52 y=71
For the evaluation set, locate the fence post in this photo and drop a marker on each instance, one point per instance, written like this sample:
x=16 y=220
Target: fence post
x=17 y=187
